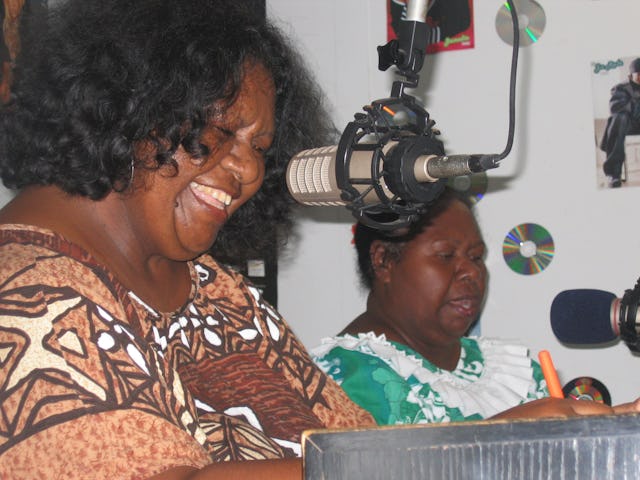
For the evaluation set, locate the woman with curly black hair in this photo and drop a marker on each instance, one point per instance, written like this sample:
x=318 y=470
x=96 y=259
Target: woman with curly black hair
x=135 y=131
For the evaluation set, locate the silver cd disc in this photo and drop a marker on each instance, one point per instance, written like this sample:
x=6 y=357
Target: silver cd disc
x=531 y=22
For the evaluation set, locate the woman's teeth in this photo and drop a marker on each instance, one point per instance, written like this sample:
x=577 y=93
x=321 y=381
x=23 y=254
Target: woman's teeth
x=208 y=193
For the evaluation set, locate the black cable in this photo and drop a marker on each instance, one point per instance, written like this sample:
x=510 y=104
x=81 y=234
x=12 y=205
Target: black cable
x=512 y=81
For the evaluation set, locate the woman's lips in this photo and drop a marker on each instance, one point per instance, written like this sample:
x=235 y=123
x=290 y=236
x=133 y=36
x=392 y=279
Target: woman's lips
x=468 y=306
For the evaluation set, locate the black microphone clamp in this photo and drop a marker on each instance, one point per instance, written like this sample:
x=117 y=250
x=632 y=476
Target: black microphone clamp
x=394 y=133
x=628 y=318
x=397 y=131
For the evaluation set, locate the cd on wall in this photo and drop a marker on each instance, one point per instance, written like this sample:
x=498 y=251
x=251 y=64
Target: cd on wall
x=531 y=22
x=474 y=186
x=587 y=388
x=528 y=248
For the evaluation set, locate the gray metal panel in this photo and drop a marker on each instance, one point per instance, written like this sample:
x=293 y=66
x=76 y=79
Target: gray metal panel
x=584 y=448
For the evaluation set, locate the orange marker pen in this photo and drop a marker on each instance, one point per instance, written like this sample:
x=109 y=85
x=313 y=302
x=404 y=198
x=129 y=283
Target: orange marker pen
x=550 y=374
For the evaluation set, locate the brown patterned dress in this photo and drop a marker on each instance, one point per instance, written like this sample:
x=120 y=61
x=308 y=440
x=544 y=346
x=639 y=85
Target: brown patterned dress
x=95 y=384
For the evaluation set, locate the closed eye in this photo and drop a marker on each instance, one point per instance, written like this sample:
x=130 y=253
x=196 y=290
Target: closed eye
x=477 y=255
x=226 y=132
x=262 y=144
x=222 y=135
x=260 y=149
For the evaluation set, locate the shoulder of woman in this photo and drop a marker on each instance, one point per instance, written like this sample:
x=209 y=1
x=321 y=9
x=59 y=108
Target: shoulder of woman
x=37 y=260
x=361 y=342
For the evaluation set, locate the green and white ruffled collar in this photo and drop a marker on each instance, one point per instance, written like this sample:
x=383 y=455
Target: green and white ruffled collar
x=500 y=380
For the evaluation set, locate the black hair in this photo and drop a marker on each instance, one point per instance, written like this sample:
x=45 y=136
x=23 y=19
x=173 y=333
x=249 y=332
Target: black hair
x=395 y=240
x=100 y=77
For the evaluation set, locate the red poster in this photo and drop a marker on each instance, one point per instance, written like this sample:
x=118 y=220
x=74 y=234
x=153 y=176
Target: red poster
x=451 y=23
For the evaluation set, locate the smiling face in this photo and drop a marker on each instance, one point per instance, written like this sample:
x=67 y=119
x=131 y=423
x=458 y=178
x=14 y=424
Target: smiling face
x=434 y=291
x=178 y=216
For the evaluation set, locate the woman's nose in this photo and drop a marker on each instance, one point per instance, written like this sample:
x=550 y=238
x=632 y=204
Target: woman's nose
x=243 y=163
x=470 y=269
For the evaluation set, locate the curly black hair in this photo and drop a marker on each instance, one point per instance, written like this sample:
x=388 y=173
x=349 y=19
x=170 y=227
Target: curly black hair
x=395 y=240
x=99 y=77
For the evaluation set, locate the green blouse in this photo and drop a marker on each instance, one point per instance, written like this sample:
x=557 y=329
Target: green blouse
x=399 y=386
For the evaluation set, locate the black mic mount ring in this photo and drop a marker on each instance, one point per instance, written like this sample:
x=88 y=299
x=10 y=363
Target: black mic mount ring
x=629 y=327
x=399 y=170
x=393 y=132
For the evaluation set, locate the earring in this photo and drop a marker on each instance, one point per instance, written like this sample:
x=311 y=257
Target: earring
x=133 y=170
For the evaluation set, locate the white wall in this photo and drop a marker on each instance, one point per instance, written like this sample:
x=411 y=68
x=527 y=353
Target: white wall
x=549 y=178
x=5 y=195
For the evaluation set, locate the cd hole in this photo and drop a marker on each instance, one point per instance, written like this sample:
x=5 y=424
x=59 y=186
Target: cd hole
x=528 y=249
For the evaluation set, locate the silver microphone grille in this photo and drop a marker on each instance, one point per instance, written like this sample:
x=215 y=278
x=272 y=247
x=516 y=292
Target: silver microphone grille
x=311 y=177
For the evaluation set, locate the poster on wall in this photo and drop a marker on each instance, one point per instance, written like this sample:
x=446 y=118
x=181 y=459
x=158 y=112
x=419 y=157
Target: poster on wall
x=451 y=23
x=616 y=107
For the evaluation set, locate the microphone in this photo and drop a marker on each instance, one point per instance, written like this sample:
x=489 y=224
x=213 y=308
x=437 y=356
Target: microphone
x=585 y=316
x=312 y=177
x=388 y=165
x=590 y=317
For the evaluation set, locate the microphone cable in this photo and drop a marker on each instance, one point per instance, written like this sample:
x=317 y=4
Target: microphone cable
x=512 y=83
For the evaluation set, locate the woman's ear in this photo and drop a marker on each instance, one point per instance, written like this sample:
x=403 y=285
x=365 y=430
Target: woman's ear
x=380 y=261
